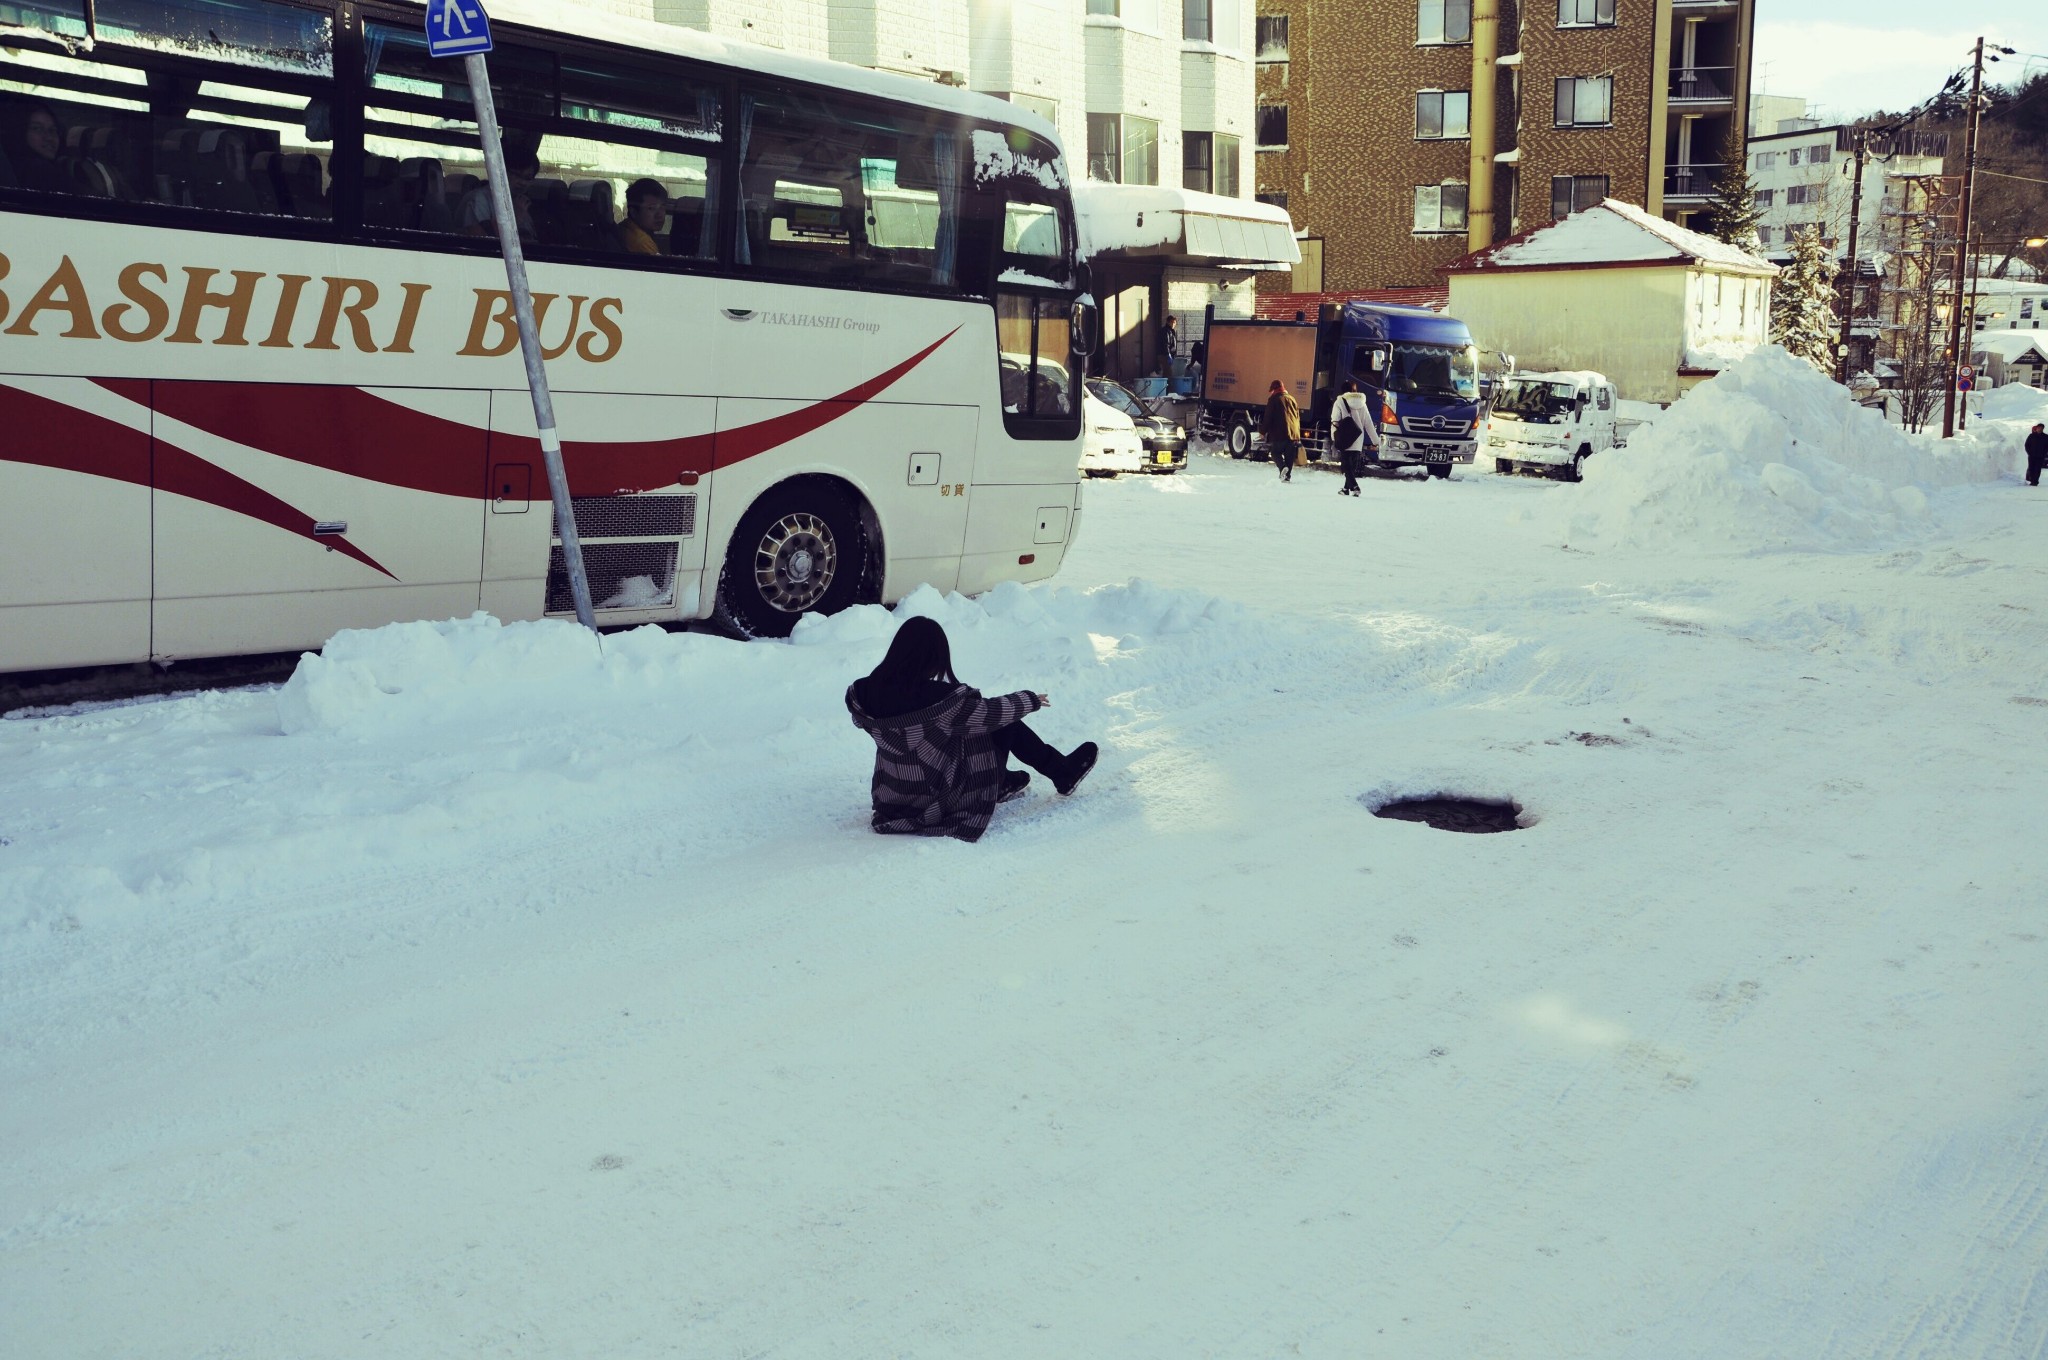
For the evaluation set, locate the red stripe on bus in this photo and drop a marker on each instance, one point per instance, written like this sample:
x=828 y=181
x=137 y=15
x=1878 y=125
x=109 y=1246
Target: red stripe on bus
x=360 y=434
x=52 y=434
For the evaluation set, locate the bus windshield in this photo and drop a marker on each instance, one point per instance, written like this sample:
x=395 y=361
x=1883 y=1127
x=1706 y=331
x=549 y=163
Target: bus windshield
x=1434 y=370
x=1535 y=400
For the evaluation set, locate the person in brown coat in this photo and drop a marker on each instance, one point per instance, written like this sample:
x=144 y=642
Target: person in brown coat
x=1281 y=428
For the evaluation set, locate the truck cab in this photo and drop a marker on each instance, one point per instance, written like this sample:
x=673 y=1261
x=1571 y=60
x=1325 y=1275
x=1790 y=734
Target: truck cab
x=1551 y=423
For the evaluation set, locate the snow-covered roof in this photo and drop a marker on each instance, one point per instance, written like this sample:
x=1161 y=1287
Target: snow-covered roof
x=577 y=17
x=1613 y=233
x=2010 y=345
x=1149 y=219
x=1577 y=377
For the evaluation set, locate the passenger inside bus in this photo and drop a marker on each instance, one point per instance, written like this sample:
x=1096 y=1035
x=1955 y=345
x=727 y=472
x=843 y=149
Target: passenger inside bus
x=522 y=166
x=35 y=150
x=646 y=216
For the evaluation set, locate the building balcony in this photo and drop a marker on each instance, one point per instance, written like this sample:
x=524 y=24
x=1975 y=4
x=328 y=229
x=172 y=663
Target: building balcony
x=1702 y=87
x=1685 y=184
x=1698 y=7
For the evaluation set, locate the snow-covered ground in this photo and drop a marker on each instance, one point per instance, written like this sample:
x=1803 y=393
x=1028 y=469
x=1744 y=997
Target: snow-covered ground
x=477 y=994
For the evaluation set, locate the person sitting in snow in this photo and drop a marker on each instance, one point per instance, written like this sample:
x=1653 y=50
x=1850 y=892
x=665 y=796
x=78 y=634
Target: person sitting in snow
x=941 y=750
x=2037 y=455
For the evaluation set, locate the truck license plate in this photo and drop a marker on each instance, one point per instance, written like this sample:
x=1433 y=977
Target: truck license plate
x=1436 y=454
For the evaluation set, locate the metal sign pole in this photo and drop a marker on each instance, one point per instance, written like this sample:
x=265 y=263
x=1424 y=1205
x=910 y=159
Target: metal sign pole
x=529 y=334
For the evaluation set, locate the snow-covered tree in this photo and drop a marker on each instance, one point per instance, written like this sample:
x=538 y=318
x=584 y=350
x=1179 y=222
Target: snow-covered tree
x=1733 y=215
x=1803 y=302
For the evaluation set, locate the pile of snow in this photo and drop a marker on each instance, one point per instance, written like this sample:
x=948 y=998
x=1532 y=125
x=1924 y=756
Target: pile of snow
x=1771 y=454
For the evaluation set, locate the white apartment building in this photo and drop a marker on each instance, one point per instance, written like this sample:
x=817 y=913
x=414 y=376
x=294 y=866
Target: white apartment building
x=1802 y=176
x=1152 y=93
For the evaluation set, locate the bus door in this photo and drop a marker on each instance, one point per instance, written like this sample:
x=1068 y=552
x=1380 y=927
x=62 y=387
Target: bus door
x=74 y=522
x=286 y=512
x=636 y=467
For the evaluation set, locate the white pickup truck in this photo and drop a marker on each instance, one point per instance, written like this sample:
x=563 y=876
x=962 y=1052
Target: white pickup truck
x=1551 y=422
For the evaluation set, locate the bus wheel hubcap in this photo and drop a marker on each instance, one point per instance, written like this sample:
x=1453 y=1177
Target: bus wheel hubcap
x=796 y=562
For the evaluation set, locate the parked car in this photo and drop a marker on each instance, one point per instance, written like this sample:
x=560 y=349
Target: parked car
x=1551 y=423
x=1109 y=441
x=1165 y=443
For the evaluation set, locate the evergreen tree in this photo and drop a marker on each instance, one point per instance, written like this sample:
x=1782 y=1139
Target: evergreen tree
x=1803 y=302
x=1733 y=215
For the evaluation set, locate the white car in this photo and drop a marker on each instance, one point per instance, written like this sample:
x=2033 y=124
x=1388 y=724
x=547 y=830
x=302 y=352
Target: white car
x=1551 y=422
x=1109 y=440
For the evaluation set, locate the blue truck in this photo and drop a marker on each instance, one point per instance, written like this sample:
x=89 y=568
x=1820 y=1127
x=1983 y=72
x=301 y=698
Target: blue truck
x=1418 y=368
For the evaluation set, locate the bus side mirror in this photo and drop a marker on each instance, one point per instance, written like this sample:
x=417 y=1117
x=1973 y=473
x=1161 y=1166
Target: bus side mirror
x=1376 y=357
x=1084 y=320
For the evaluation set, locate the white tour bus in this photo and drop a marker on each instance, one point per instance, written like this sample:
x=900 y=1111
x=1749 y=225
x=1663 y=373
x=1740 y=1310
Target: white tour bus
x=259 y=379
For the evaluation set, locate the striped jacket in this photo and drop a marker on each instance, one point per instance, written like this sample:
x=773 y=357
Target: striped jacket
x=938 y=771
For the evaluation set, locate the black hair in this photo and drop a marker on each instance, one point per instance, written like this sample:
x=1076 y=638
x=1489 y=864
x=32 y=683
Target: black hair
x=644 y=188
x=1351 y=385
x=919 y=651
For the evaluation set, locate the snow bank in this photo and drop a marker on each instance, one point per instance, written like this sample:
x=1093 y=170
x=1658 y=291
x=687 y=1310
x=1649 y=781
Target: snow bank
x=1771 y=454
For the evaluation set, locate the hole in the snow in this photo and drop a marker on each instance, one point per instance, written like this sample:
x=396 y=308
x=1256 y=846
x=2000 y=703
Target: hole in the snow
x=1455 y=814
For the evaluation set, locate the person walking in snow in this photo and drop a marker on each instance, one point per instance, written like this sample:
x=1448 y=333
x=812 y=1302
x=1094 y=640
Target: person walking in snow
x=942 y=750
x=1281 y=428
x=1351 y=429
x=2037 y=455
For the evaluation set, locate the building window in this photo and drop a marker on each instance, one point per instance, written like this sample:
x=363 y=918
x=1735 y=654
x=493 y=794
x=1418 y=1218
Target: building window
x=1210 y=21
x=1803 y=193
x=1139 y=14
x=1585 y=13
x=1209 y=162
x=1439 y=208
x=1763 y=236
x=1443 y=21
x=1272 y=128
x=1585 y=101
x=1274 y=200
x=1048 y=109
x=1272 y=39
x=1766 y=197
x=1442 y=113
x=1123 y=149
x=1576 y=193
x=1768 y=160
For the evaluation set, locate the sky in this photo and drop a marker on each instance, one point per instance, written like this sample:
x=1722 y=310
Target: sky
x=1851 y=57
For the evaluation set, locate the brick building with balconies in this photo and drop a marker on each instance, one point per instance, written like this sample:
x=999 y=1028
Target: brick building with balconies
x=1403 y=134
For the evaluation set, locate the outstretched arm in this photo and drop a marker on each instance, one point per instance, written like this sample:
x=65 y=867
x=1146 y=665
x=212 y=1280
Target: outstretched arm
x=984 y=716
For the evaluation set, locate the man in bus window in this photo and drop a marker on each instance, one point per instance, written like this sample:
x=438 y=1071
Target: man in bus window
x=643 y=231
x=522 y=165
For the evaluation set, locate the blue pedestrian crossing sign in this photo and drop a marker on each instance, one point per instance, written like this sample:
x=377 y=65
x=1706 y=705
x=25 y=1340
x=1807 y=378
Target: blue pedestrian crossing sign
x=457 y=28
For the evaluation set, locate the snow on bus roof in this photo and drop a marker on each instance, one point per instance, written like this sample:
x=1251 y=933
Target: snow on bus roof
x=570 y=18
x=1611 y=233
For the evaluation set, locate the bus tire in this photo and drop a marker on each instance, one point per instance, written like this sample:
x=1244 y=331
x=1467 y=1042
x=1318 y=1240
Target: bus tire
x=799 y=550
x=1238 y=439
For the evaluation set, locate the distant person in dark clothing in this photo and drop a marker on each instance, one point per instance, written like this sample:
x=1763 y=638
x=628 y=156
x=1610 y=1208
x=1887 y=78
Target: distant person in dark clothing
x=1281 y=428
x=2037 y=455
x=942 y=750
x=1169 y=340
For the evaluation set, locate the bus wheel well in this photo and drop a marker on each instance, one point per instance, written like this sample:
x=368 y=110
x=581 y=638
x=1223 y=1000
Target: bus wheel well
x=807 y=494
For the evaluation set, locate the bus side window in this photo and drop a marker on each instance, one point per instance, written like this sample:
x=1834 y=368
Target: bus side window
x=835 y=191
x=1034 y=343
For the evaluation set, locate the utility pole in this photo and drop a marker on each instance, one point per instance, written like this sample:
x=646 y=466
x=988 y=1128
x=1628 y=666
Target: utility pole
x=1855 y=218
x=1953 y=368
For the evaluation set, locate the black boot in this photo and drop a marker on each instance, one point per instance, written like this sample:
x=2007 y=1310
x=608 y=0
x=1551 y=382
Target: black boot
x=1079 y=763
x=1014 y=784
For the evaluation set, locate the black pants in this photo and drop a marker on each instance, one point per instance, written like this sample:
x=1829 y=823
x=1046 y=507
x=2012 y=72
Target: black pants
x=1031 y=749
x=2035 y=462
x=1283 y=458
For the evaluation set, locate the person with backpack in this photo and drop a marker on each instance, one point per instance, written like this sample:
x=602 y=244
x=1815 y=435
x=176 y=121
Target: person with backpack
x=1351 y=431
x=1281 y=428
x=941 y=749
